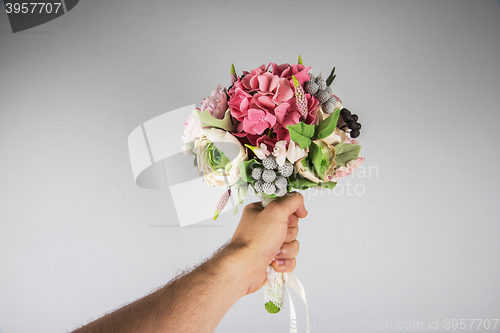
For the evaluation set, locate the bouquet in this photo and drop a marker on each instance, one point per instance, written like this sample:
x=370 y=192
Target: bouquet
x=275 y=129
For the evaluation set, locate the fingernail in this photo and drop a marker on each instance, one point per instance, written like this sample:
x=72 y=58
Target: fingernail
x=279 y=252
x=280 y=262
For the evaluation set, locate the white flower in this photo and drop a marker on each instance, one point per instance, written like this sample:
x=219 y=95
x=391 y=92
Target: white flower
x=261 y=152
x=221 y=171
x=336 y=137
x=305 y=172
x=279 y=152
x=293 y=153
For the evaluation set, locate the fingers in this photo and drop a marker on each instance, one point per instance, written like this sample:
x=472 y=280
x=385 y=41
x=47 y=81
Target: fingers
x=284 y=265
x=291 y=203
x=293 y=220
x=254 y=207
x=291 y=234
x=288 y=250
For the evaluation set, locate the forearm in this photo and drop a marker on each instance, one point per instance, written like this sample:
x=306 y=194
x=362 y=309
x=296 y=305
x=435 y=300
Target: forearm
x=195 y=302
x=205 y=295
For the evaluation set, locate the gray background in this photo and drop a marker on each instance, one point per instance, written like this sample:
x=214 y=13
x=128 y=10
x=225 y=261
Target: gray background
x=79 y=238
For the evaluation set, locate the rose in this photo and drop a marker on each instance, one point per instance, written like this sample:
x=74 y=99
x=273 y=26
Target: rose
x=336 y=137
x=216 y=103
x=319 y=163
x=217 y=167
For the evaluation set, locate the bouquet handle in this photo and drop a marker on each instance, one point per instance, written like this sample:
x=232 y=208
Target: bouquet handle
x=274 y=291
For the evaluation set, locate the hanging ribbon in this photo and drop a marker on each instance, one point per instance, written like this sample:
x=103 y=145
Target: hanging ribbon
x=294 y=283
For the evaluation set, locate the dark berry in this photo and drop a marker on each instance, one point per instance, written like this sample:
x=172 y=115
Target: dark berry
x=354 y=134
x=346 y=119
x=355 y=126
x=344 y=112
x=351 y=124
x=354 y=117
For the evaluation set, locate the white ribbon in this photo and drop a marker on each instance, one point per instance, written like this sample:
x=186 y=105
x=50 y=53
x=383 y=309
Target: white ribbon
x=294 y=283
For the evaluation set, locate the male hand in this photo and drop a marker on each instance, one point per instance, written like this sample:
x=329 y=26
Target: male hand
x=270 y=236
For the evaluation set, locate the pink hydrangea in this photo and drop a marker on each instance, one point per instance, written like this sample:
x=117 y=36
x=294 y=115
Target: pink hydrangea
x=273 y=94
x=216 y=103
x=286 y=70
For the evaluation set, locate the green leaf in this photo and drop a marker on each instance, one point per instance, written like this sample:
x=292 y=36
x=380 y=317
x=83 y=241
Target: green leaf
x=207 y=120
x=331 y=77
x=233 y=71
x=316 y=156
x=298 y=182
x=215 y=157
x=246 y=168
x=328 y=185
x=189 y=146
x=241 y=193
x=301 y=133
x=327 y=126
x=272 y=308
x=346 y=152
x=300 y=61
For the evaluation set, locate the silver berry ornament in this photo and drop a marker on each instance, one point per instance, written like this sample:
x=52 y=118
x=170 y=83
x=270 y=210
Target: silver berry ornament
x=257 y=173
x=321 y=83
x=328 y=107
x=323 y=96
x=270 y=162
x=259 y=186
x=312 y=88
x=281 y=182
x=280 y=191
x=268 y=175
x=286 y=169
x=269 y=188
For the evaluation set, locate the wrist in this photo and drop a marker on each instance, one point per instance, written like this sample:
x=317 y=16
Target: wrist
x=244 y=267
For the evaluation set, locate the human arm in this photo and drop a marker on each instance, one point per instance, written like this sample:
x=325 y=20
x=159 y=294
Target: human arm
x=197 y=301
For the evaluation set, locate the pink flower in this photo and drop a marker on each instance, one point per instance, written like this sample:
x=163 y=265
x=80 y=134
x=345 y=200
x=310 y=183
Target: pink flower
x=216 y=103
x=257 y=121
x=351 y=141
x=261 y=152
x=273 y=95
x=192 y=128
x=287 y=70
x=355 y=163
x=340 y=173
x=347 y=170
x=238 y=103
